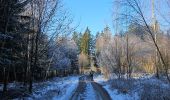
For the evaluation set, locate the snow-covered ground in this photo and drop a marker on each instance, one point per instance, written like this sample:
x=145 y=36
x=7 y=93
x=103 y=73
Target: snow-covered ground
x=14 y=85
x=53 y=89
x=67 y=87
x=100 y=79
x=139 y=88
x=136 y=89
x=56 y=89
x=114 y=94
x=89 y=92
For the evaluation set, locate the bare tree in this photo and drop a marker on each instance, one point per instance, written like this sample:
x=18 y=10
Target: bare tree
x=49 y=19
x=83 y=62
x=136 y=6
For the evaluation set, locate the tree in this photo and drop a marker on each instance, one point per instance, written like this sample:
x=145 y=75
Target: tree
x=84 y=46
x=49 y=19
x=26 y=31
x=77 y=38
x=102 y=54
x=13 y=29
x=83 y=62
x=64 y=55
x=135 y=5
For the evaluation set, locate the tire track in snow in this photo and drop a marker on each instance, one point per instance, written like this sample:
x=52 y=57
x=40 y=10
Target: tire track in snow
x=89 y=90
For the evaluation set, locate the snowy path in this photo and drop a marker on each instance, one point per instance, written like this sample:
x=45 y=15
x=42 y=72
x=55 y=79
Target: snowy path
x=68 y=88
x=89 y=90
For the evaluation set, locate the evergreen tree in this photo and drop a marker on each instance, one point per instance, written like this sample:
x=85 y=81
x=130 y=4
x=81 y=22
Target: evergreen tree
x=107 y=33
x=97 y=35
x=84 y=46
x=13 y=27
x=77 y=37
x=87 y=46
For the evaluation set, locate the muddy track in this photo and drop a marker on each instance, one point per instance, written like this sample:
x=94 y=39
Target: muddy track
x=101 y=93
x=80 y=89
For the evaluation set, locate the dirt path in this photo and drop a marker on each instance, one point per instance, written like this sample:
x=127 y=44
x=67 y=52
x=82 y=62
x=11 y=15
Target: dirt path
x=100 y=91
x=78 y=95
x=89 y=90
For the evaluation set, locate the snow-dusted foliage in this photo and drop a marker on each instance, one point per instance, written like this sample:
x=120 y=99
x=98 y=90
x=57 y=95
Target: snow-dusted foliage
x=64 y=52
x=123 y=54
x=63 y=63
x=5 y=36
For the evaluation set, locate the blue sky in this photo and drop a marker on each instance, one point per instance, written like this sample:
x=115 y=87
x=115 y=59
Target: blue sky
x=95 y=14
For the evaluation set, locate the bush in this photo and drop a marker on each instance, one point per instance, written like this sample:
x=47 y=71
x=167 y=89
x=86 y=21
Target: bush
x=147 y=89
x=123 y=85
x=154 y=92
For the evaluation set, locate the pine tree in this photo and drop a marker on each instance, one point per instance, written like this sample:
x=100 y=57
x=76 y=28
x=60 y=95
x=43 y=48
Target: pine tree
x=84 y=46
x=97 y=35
x=77 y=37
x=12 y=32
x=107 y=33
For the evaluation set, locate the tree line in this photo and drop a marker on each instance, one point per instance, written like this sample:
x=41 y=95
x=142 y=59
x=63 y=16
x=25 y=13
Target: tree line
x=137 y=46
x=34 y=41
x=86 y=49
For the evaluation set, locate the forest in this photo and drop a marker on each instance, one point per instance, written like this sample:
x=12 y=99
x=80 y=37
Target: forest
x=43 y=54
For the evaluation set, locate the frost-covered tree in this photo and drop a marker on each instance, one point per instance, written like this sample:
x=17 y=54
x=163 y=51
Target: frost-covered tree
x=119 y=54
x=64 y=54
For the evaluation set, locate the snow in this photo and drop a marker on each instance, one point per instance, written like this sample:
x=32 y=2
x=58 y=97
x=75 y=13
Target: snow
x=54 y=89
x=142 y=75
x=69 y=87
x=141 y=87
x=58 y=88
x=13 y=85
x=90 y=93
x=100 y=79
x=114 y=94
x=63 y=88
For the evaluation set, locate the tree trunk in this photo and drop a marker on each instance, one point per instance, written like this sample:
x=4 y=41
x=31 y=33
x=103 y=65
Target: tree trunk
x=5 y=81
x=157 y=72
x=31 y=65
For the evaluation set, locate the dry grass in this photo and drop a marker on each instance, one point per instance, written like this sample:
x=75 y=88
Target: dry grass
x=147 y=89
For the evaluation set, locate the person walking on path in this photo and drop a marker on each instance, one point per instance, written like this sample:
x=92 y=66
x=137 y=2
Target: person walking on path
x=91 y=75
